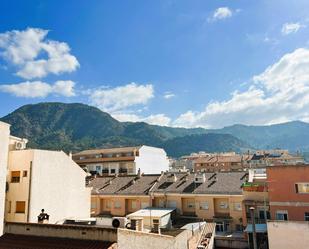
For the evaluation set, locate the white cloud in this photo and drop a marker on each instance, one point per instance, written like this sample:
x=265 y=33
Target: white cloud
x=34 y=55
x=280 y=93
x=221 y=13
x=289 y=28
x=121 y=97
x=39 y=89
x=158 y=119
x=168 y=95
x=155 y=119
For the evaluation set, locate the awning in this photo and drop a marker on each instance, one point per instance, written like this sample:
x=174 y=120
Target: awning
x=259 y=228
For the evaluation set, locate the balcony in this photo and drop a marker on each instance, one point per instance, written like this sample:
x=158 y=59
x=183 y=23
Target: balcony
x=219 y=216
x=103 y=159
x=257 y=220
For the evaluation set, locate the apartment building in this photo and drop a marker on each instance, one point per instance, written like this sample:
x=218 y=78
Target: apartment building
x=125 y=161
x=289 y=192
x=121 y=195
x=262 y=158
x=222 y=162
x=4 y=149
x=255 y=195
x=212 y=196
x=39 y=179
x=236 y=162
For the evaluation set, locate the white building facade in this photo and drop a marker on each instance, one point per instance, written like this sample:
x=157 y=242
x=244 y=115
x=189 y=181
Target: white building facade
x=32 y=180
x=4 y=149
x=49 y=180
x=288 y=234
x=126 y=160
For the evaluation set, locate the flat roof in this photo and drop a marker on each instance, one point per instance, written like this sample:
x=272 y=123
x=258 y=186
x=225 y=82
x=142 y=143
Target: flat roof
x=107 y=150
x=13 y=241
x=153 y=212
x=193 y=226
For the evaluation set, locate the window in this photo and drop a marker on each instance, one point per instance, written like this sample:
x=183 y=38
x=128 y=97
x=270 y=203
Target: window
x=113 y=171
x=223 y=205
x=204 y=205
x=144 y=204
x=171 y=204
x=117 y=204
x=20 y=207
x=239 y=228
x=282 y=215
x=107 y=204
x=161 y=203
x=15 y=176
x=262 y=214
x=133 y=204
x=306 y=216
x=190 y=204
x=25 y=173
x=94 y=204
x=222 y=226
x=302 y=188
x=237 y=206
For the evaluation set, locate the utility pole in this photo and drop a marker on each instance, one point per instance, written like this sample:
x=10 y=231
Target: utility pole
x=264 y=198
x=253 y=227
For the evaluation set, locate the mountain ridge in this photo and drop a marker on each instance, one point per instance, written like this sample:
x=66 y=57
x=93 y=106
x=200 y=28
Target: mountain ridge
x=76 y=126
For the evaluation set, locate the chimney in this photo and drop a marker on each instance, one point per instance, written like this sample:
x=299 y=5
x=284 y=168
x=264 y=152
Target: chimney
x=139 y=174
x=70 y=154
x=172 y=177
x=199 y=178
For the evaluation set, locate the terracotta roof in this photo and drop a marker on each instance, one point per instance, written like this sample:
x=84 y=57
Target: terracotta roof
x=215 y=183
x=14 y=241
x=122 y=185
x=109 y=150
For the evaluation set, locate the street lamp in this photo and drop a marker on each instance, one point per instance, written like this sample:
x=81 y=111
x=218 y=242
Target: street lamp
x=253 y=227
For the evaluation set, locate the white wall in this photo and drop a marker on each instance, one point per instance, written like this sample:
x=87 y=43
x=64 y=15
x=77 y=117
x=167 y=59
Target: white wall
x=288 y=234
x=4 y=146
x=151 y=160
x=58 y=186
x=130 y=239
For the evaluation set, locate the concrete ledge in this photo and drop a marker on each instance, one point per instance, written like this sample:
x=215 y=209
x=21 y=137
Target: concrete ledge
x=62 y=231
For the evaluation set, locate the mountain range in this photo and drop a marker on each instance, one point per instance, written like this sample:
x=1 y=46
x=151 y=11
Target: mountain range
x=75 y=127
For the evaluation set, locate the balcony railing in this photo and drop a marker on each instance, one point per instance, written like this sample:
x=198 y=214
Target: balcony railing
x=256 y=219
x=220 y=215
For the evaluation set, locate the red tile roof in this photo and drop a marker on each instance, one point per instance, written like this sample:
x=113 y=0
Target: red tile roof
x=14 y=241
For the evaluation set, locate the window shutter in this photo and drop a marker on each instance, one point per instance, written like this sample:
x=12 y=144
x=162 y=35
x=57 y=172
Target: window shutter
x=296 y=187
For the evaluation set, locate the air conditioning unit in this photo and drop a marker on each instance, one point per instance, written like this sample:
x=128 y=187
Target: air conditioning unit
x=119 y=222
x=19 y=145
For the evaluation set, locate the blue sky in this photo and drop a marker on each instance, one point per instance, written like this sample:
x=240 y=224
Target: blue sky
x=179 y=63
